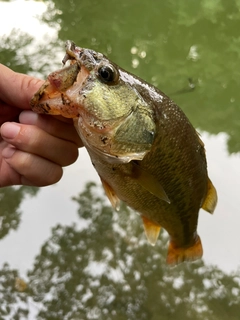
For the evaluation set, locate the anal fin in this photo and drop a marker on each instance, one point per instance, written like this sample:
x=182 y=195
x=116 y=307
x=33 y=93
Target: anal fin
x=151 y=230
x=210 y=201
x=177 y=255
x=113 y=198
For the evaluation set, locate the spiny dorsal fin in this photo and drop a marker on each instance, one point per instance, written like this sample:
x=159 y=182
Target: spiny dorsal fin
x=210 y=201
x=115 y=201
x=148 y=182
x=151 y=230
x=200 y=140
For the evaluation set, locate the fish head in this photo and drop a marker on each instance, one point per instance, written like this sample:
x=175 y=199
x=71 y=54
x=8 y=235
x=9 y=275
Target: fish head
x=109 y=113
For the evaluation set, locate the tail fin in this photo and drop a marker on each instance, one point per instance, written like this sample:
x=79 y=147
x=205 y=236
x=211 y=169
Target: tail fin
x=177 y=255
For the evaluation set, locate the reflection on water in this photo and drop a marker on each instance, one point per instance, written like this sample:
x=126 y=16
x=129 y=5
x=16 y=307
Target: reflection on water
x=107 y=270
x=79 y=259
x=10 y=214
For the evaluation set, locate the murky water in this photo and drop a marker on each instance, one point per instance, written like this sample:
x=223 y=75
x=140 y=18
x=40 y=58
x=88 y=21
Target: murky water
x=77 y=259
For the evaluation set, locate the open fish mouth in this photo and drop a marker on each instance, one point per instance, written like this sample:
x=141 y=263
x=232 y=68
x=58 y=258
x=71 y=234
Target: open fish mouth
x=58 y=94
x=62 y=93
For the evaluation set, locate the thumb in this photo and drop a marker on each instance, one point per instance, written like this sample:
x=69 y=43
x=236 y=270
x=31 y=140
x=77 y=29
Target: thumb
x=17 y=89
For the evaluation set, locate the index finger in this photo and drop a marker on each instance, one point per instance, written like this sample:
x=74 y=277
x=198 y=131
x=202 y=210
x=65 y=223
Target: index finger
x=17 y=89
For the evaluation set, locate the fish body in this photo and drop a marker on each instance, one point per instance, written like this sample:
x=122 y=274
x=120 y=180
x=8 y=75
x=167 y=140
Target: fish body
x=142 y=145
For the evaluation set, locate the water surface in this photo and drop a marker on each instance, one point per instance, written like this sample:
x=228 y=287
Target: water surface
x=79 y=259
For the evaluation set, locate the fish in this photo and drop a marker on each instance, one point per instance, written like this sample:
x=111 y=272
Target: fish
x=142 y=145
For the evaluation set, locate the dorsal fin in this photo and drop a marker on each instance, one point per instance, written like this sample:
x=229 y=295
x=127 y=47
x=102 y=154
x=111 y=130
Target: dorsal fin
x=148 y=182
x=151 y=230
x=210 y=201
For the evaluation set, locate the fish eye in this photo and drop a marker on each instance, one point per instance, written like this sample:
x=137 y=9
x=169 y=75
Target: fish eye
x=108 y=74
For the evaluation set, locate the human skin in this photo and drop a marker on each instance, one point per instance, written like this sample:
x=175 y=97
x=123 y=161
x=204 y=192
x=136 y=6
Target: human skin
x=33 y=148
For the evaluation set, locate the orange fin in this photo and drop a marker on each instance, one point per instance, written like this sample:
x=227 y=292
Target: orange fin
x=210 y=201
x=151 y=230
x=113 y=198
x=149 y=182
x=177 y=255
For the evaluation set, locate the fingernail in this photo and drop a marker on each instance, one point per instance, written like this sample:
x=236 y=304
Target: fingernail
x=10 y=130
x=8 y=152
x=28 y=117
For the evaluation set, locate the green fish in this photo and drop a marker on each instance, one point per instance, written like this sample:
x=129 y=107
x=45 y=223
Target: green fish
x=142 y=145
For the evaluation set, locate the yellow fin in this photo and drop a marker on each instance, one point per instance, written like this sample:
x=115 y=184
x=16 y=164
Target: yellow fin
x=113 y=198
x=210 y=201
x=149 y=182
x=151 y=230
x=177 y=255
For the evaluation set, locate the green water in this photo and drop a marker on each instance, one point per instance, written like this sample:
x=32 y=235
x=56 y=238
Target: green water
x=107 y=270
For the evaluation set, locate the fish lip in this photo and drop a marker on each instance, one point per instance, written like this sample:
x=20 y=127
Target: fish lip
x=84 y=57
x=72 y=52
x=58 y=90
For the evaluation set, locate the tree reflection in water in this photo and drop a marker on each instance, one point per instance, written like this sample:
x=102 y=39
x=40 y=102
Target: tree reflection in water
x=10 y=199
x=104 y=268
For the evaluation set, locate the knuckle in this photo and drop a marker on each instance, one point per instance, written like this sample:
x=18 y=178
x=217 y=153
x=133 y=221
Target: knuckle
x=39 y=171
x=53 y=175
x=28 y=138
x=71 y=156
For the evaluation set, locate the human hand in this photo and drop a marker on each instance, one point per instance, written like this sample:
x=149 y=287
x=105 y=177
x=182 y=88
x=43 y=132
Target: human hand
x=33 y=148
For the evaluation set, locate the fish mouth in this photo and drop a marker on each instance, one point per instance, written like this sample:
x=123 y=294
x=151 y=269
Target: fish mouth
x=59 y=95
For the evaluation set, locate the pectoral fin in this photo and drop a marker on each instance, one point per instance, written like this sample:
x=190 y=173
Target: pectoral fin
x=151 y=230
x=113 y=198
x=210 y=201
x=148 y=182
